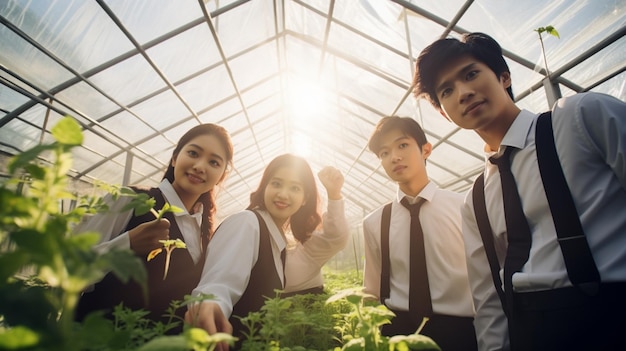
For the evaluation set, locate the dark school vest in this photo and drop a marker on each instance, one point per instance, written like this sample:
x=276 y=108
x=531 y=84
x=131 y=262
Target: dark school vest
x=183 y=276
x=263 y=281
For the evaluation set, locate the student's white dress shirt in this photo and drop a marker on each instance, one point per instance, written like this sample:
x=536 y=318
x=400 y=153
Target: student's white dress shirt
x=445 y=256
x=590 y=133
x=304 y=262
x=232 y=253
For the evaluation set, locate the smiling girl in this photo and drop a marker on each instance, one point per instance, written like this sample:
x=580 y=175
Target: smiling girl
x=199 y=162
x=247 y=255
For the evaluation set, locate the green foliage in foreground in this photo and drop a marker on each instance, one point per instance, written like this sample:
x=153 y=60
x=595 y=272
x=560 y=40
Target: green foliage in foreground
x=347 y=320
x=44 y=267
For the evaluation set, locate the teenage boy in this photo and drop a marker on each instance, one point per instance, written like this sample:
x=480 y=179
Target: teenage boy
x=536 y=285
x=391 y=264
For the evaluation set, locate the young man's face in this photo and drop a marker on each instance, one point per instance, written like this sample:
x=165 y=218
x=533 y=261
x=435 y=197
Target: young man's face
x=472 y=96
x=403 y=161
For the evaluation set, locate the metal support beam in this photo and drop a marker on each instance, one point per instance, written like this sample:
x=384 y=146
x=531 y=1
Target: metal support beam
x=128 y=168
x=553 y=92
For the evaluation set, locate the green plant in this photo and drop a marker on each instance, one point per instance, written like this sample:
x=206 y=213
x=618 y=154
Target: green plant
x=360 y=329
x=142 y=203
x=44 y=266
x=552 y=31
x=300 y=322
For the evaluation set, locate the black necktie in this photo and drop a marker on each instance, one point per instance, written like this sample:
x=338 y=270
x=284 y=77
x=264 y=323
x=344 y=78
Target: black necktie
x=419 y=290
x=517 y=228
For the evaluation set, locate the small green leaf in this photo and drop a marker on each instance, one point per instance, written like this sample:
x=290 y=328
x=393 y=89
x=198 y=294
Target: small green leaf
x=168 y=208
x=67 y=132
x=354 y=299
x=142 y=204
x=35 y=171
x=552 y=31
x=180 y=245
x=126 y=191
x=356 y=344
x=346 y=293
x=18 y=338
x=415 y=342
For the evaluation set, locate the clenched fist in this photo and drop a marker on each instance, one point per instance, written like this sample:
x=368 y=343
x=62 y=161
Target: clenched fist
x=332 y=180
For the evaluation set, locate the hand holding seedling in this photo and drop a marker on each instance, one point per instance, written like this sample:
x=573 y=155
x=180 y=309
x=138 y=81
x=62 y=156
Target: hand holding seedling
x=146 y=236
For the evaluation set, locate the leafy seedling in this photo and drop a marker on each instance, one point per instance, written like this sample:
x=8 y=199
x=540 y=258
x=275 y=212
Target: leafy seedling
x=168 y=246
x=552 y=31
x=142 y=203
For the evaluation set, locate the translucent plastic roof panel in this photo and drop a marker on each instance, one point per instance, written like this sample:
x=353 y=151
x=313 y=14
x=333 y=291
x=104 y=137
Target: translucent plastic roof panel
x=310 y=77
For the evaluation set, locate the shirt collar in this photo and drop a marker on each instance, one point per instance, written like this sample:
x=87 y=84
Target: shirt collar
x=427 y=193
x=517 y=134
x=172 y=197
x=275 y=233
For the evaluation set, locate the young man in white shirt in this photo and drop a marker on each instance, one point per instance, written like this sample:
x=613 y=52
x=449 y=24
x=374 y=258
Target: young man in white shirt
x=401 y=146
x=540 y=307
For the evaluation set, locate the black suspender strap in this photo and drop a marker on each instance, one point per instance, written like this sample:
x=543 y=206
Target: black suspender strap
x=384 y=253
x=480 y=211
x=581 y=268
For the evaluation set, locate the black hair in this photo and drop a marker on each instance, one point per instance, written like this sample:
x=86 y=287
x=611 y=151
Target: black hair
x=437 y=55
x=406 y=125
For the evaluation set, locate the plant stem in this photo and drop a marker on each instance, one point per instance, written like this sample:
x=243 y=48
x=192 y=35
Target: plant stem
x=424 y=321
x=68 y=301
x=168 y=251
x=545 y=60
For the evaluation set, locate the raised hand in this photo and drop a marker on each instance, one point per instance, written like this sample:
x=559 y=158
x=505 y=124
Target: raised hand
x=332 y=180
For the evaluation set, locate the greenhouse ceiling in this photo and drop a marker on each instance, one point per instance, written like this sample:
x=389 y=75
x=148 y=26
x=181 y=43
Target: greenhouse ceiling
x=310 y=77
